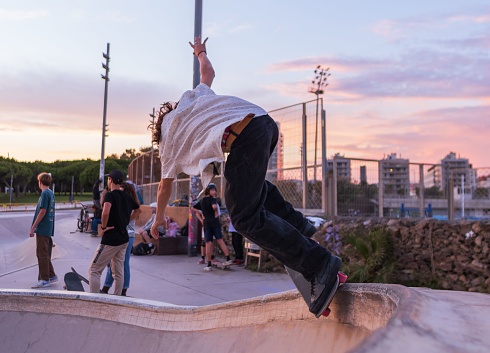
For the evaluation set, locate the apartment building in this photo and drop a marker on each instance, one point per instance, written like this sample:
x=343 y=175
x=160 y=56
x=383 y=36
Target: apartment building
x=395 y=175
x=343 y=166
x=459 y=170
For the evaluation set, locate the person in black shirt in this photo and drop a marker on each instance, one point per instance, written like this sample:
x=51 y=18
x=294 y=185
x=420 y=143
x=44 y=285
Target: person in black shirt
x=207 y=211
x=118 y=210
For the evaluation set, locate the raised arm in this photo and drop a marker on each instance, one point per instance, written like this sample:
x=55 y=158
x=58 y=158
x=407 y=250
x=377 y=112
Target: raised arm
x=205 y=66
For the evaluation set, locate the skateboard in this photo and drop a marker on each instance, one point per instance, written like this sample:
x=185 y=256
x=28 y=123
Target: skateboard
x=220 y=265
x=73 y=281
x=80 y=276
x=304 y=288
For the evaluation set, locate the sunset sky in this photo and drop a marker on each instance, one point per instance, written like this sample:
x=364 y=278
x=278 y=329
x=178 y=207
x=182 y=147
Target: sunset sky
x=409 y=77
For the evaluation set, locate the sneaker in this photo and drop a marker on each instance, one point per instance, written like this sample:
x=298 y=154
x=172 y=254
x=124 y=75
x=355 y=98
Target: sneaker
x=41 y=284
x=324 y=285
x=208 y=268
x=238 y=262
x=53 y=279
x=200 y=262
x=229 y=262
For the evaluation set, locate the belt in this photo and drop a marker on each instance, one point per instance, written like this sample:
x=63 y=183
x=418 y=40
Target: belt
x=232 y=132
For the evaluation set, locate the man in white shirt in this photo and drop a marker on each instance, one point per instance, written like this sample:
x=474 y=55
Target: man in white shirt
x=192 y=136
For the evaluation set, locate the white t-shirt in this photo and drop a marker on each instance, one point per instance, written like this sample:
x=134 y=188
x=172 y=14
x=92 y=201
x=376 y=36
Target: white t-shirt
x=192 y=133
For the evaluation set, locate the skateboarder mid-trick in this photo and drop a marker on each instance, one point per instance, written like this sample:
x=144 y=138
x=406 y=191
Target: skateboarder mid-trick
x=193 y=135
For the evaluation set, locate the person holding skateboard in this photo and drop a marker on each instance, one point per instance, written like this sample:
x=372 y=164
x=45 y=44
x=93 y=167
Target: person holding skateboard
x=207 y=210
x=193 y=136
x=118 y=209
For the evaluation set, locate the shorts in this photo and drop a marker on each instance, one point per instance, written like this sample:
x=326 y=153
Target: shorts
x=209 y=232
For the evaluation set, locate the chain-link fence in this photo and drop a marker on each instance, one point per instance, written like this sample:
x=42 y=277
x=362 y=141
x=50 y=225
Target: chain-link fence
x=395 y=188
x=391 y=187
x=297 y=171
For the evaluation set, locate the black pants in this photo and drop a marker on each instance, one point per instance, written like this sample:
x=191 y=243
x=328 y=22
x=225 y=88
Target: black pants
x=256 y=207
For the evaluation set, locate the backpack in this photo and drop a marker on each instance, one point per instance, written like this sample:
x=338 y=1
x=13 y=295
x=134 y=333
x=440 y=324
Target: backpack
x=141 y=249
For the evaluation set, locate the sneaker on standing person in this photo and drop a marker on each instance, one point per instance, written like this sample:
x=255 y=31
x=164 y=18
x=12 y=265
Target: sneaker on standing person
x=41 y=284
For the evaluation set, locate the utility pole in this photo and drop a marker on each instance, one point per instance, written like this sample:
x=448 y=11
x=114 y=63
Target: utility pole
x=320 y=81
x=151 y=156
x=104 y=126
x=194 y=180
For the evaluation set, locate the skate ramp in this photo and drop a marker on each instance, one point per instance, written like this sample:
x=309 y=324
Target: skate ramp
x=56 y=321
x=365 y=318
x=21 y=254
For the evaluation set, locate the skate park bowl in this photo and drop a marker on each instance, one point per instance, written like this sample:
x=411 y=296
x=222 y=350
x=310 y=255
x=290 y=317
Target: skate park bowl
x=364 y=318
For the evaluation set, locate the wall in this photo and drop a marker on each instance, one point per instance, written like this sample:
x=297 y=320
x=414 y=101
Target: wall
x=447 y=255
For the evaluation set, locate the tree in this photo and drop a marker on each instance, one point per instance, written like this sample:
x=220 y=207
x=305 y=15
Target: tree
x=18 y=172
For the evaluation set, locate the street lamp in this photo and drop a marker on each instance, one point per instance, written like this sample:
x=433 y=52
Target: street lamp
x=320 y=81
x=104 y=126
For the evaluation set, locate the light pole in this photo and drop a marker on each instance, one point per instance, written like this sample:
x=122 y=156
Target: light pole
x=104 y=126
x=194 y=180
x=152 y=115
x=320 y=81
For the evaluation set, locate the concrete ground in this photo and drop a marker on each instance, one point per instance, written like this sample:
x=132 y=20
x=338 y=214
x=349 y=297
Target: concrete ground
x=176 y=279
x=175 y=306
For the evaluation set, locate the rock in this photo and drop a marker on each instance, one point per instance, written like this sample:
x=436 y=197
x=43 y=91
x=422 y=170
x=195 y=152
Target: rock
x=476 y=227
x=391 y=222
x=477 y=265
x=421 y=225
x=452 y=277
x=476 y=282
x=478 y=240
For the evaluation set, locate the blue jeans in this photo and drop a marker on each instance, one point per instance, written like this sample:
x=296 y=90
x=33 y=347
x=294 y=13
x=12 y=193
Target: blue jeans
x=127 y=273
x=256 y=207
x=95 y=223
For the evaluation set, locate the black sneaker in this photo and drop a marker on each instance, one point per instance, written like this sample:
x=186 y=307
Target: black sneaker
x=324 y=285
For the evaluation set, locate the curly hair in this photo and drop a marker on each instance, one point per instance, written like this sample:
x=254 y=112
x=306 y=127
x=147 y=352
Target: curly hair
x=129 y=188
x=156 y=128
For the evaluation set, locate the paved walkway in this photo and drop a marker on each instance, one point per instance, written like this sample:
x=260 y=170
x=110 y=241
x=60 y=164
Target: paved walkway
x=174 y=279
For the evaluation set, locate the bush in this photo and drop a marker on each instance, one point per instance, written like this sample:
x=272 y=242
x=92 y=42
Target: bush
x=368 y=256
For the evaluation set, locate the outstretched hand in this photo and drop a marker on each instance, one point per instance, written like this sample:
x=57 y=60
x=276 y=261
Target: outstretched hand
x=198 y=46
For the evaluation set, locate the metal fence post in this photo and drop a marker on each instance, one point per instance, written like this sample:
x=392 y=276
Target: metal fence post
x=450 y=201
x=335 y=184
x=421 y=191
x=324 y=159
x=304 y=161
x=380 y=191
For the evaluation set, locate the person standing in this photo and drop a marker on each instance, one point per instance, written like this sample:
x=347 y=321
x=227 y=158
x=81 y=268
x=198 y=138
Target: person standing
x=193 y=136
x=43 y=229
x=118 y=209
x=109 y=279
x=207 y=210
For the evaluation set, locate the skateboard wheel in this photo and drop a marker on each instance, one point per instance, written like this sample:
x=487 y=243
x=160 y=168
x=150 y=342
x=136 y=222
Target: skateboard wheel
x=326 y=312
x=342 y=277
